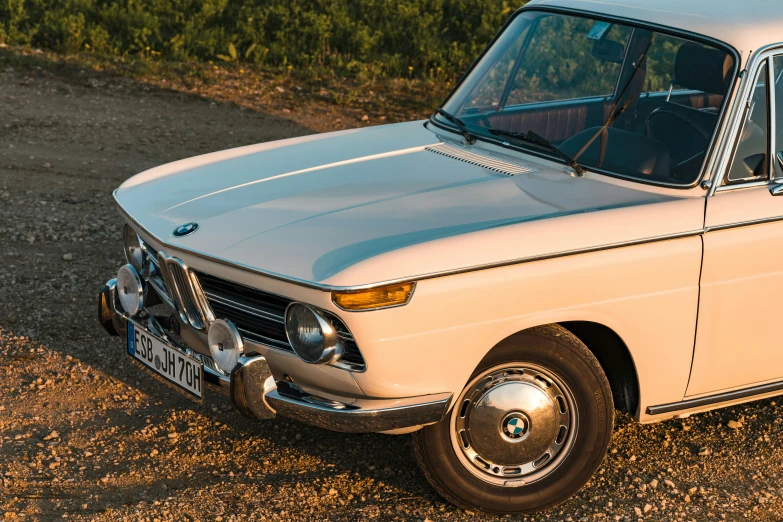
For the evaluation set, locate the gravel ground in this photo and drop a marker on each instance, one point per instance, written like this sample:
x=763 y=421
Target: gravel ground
x=86 y=435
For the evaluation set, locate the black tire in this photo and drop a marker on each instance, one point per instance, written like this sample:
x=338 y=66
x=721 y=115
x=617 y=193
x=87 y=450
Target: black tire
x=563 y=354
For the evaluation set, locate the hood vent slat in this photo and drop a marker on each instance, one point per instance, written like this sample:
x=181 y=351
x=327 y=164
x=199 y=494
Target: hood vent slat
x=480 y=160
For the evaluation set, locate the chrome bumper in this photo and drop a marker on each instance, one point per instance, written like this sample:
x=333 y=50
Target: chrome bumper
x=361 y=416
x=255 y=393
x=111 y=320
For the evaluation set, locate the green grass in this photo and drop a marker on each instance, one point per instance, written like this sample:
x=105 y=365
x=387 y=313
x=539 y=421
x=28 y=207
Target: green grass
x=436 y=39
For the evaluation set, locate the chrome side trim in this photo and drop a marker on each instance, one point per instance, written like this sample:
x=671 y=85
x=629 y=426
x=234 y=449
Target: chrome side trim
x=750 y=184
x=744 y=224
x=370 y=416
x=715 y=399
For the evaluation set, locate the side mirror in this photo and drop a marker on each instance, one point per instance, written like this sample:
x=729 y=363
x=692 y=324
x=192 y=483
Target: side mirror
x=609 y=51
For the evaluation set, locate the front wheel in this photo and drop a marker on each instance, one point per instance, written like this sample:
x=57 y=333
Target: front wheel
x=527 y=432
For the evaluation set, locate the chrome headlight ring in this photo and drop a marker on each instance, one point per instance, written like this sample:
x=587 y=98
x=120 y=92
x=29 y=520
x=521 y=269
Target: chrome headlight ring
x=133 y=248
x=312 y=335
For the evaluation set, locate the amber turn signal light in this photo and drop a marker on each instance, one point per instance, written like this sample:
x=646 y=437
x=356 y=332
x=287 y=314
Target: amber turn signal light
x=380 y=297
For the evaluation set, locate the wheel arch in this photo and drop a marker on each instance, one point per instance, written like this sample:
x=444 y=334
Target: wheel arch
x=612 y=354
x=615 y=359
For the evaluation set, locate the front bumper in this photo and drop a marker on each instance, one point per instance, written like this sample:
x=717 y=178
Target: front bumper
x=255 y=393
x=361 y=416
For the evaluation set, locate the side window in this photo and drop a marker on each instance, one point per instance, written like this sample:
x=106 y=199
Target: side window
x=777 y=66
x=750 y=159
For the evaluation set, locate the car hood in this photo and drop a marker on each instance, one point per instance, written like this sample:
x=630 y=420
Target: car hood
x=379 y=204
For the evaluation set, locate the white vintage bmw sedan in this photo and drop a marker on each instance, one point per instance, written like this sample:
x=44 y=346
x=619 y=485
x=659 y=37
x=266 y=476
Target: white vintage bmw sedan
x=587 y=223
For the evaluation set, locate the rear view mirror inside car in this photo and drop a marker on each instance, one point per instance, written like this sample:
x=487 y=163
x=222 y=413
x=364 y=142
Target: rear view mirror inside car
x=609 y=51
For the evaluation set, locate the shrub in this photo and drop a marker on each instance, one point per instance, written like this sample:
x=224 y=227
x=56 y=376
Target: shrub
x=392 y=38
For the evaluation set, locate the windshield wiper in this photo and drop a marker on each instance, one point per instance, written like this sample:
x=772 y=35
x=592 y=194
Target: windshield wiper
x=469 y=137
x=532 y=137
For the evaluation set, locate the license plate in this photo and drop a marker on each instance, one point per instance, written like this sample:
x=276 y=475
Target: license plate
x=184 y=371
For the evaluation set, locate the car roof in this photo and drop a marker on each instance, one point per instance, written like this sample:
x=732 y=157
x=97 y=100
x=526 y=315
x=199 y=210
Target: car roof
x=746 y=25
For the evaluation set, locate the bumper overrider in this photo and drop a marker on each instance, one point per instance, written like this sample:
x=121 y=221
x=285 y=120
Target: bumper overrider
x=255 y=393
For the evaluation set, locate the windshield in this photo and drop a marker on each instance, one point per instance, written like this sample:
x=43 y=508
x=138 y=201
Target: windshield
x=613 y=97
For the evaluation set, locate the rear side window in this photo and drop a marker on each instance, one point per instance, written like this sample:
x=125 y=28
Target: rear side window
x=777 y=63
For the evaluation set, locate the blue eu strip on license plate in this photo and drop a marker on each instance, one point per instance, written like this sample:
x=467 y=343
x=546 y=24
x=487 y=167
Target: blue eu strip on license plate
x=166 y=361
x=131 y=344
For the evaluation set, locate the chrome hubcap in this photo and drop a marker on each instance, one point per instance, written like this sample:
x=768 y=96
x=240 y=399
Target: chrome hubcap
x=514 y=424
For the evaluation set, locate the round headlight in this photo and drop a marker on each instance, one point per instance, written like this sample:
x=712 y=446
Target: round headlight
x=312 y=335
x=225 y=345
x=133 y=250
x=130 y=291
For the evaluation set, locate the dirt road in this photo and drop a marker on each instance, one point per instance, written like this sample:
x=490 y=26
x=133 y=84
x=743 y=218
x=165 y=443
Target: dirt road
x=86 y=435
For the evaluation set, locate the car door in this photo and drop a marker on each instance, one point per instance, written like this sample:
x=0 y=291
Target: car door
x=738 y=343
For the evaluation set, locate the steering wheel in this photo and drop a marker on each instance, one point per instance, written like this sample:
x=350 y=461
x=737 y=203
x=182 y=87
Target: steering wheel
x=664 y=111
x=687 y=160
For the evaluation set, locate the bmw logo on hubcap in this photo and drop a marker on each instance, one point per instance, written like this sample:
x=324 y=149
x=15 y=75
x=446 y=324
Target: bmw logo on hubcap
x=515 y=426
x=186 y=229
